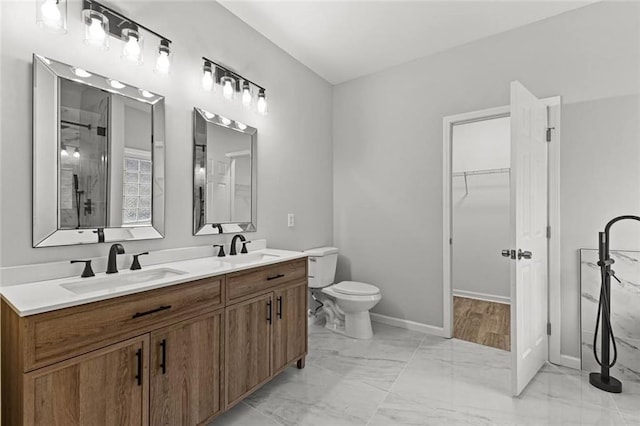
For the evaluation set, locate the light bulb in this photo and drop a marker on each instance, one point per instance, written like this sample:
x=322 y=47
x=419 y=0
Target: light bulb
x=51 y=16
x=81 y=73
x=209 y=115
x=246 y=94
x=132 y=50
x=95 y=29
x=240 y=125
x=146 y=93
x=163 y=61
x=207 y=77
x=50 y=10
x=228 y=87
x=201 y=169
x=96 y=32
x=262 y=103
x=227 y=90
x=76 y=153
x=225 y=120
x=63 y=151
x=116 y=84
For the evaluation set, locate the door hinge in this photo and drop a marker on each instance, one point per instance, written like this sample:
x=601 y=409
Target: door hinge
x=549 y=129
x=548 y=232
x=548 y=329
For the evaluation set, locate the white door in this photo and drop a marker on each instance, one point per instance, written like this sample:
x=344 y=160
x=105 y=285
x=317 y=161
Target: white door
x=529 y=236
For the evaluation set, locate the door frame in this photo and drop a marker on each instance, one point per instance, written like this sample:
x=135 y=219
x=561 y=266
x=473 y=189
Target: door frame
x=554 y=292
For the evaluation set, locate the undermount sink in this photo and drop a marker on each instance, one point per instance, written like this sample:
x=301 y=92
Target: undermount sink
x=112 y=282
x=251 y=258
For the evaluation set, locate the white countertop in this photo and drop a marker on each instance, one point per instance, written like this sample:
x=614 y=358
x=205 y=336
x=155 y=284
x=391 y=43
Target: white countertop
x=44 y=296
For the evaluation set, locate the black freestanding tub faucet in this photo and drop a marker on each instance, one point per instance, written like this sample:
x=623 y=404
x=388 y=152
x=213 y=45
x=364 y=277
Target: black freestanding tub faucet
x=603 y=380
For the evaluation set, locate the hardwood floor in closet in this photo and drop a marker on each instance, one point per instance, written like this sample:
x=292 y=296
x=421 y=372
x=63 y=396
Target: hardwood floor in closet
x=478 y=321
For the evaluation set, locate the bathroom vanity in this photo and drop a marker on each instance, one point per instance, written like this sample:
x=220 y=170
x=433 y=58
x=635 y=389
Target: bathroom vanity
x=178 y=350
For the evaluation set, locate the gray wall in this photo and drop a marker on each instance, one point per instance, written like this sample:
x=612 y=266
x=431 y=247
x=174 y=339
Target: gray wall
x=294 y=140
x=388 y=149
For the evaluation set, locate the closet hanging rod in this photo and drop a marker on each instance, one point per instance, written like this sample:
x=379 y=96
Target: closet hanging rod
x=481 y=172
x=476 y=173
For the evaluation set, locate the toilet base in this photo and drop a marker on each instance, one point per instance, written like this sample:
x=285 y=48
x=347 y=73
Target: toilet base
x=358 y=325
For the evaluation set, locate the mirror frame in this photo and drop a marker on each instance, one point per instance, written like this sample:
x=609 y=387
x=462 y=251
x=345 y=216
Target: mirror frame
x=46 y=134
x=229 y=227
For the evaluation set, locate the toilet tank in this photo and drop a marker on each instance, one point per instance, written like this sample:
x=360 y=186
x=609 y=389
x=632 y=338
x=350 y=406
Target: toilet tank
x=322 y=266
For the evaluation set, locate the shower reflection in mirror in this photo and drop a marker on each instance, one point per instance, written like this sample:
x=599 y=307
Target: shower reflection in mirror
x=86 y=114
x=224 y=175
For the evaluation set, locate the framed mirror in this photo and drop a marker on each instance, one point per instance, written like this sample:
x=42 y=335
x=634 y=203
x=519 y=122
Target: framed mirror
x=224 y=175
x=98 y=158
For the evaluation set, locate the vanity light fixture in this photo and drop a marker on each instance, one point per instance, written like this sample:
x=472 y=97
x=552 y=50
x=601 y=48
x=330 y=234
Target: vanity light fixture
x=52 y=15
x=229 y=80
x=225 y=120
x=76 y=153
x=146 y=94
x=209 y=115
x=63 y=151
x=101 y=22
x=240 y=125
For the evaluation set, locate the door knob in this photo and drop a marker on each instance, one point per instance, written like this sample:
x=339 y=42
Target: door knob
x=506 y=253
x=524 y=254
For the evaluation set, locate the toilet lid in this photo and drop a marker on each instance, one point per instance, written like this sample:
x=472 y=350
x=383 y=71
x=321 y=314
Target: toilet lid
x=355 y=288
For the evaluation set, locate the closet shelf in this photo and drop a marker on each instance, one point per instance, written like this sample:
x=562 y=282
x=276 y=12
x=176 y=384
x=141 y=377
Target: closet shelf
x=476 y=173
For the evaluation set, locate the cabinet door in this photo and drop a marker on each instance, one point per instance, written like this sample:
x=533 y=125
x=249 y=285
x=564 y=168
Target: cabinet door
x=186 y=371
x=105 y=387
x=247 y=346
x=290 y=325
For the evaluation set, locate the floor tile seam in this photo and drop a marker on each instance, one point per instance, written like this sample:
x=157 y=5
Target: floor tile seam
x=396 y=380
x=345 y=379
x=262 y=413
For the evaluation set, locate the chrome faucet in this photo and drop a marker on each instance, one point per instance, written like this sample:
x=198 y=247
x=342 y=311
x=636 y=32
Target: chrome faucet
x=112 y=266
x=234 y=241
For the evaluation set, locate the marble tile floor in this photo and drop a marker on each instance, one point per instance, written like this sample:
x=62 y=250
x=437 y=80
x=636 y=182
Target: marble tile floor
x=401 y=377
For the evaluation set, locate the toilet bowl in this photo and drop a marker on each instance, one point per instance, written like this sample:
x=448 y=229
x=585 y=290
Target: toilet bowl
x=355 y=299
x=345 y=305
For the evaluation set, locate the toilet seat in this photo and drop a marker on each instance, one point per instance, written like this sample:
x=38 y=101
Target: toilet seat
x=355 y=288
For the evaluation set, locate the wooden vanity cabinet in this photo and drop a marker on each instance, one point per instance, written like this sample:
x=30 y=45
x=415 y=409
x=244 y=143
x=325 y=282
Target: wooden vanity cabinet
x=289 y=334
x=178 y=355
x=264 y=334
x=105 y=387
x=185 y=371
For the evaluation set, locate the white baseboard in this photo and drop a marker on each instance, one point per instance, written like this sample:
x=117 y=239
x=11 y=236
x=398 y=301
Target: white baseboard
x=570 y=362
x=482 y=296
x=409 y=325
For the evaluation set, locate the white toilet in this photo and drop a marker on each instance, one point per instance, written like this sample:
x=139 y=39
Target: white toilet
x=346 y=304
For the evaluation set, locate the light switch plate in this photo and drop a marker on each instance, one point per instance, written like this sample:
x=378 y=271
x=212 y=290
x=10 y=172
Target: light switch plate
x=291 y=220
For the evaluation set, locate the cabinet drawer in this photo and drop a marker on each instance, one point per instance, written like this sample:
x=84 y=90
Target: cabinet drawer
x=245 y=284
x=58 y=335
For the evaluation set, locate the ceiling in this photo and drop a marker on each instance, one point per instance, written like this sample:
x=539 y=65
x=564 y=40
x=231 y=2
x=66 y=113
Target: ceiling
x=342 y=40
